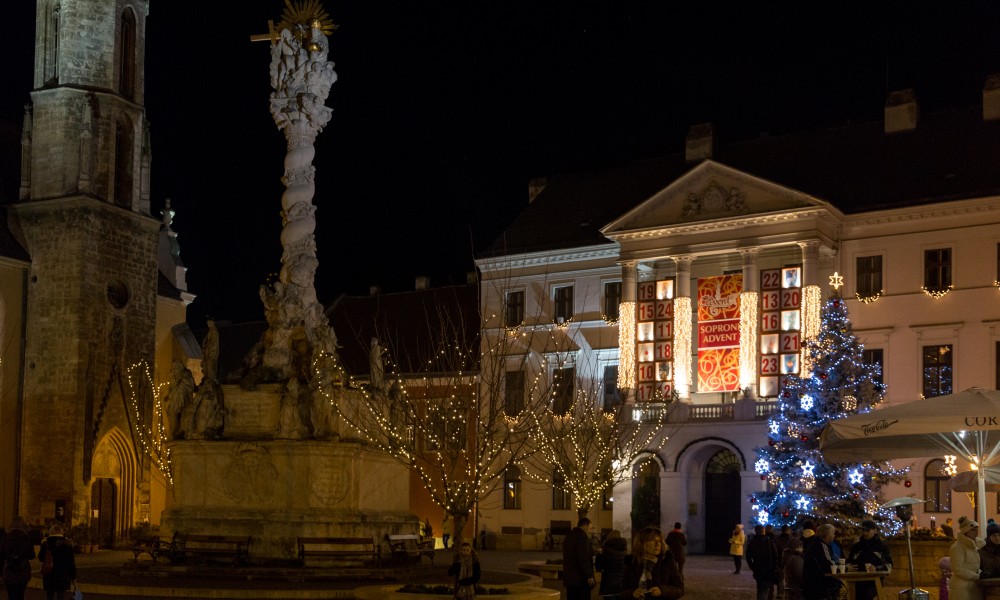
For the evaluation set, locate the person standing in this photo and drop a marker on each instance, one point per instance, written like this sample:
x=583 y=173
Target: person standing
x=791 y=567
x=578 y=562
x=965 y=562
x=762 y=558
x=869 y=549
x=611 y=563
x=989 y=555
x=16 y=553
x=816 y=562
x=677 y=542
x=63 y=574
x=466 y=571
x=652 y=570
x=736 y=541
x=446 y=530
x=781 y=542
x=948 y=527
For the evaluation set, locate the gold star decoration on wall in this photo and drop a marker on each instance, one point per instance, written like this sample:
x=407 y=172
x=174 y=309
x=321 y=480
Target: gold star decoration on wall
x=836 y=281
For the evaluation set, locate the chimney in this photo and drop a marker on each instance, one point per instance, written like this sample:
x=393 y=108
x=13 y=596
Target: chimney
x=699 y=143
x=901 y=111
x=374 y=290
x=535 y=187
x=423 y=282
x=991 y=98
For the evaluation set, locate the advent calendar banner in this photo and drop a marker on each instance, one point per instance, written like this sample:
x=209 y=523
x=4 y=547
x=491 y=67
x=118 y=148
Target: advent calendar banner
x=719 y=333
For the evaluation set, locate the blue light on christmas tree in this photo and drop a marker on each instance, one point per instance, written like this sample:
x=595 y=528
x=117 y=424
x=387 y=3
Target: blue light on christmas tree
x=801 y=485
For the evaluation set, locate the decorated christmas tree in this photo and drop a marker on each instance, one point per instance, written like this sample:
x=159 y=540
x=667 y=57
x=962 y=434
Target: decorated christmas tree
x=801 y=485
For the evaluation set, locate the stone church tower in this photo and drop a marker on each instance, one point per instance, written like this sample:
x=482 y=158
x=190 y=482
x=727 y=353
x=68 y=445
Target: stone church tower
x=84 y=218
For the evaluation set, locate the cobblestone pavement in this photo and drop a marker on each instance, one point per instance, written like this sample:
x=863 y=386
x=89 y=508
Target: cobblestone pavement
x=706 y=578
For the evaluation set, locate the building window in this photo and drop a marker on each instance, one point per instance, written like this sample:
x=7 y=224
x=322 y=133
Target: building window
x=562 y=390
x=512 y=488
x=612 y=399
x=996 y=282
x=513 y=315
x=612 y=300
x=996 y=361
x=514 y=393
x=563 y=304
x=608 y=498
x=937 y=269
x=52 y=47
x=937 y=370
x=869 y=276
x=126 y=58
x=123 y=164
x=937 y=487
x=874 y=357
x=560 y=497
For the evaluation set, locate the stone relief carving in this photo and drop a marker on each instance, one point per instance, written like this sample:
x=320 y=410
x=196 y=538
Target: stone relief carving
x=250 y=475
x=329 y=483
x=715 y=200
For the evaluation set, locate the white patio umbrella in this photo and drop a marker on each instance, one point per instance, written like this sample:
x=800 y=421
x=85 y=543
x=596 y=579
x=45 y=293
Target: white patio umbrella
x=966 y=424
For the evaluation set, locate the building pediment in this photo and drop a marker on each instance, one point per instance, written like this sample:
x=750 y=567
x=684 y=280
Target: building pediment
x=708 y=196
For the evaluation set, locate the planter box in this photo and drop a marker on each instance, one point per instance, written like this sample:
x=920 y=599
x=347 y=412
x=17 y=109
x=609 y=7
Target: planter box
x=926 y=554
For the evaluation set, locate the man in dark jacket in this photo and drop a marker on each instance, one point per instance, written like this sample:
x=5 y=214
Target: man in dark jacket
x=677 y=541
x=762 y=558
x=578 y=562
x=816 y=563
x=989 y=555
x=870 y=549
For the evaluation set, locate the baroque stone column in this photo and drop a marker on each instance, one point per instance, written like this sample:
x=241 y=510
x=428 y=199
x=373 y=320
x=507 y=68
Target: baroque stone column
x=626 y=331
x=683 y=322
x=301 y=76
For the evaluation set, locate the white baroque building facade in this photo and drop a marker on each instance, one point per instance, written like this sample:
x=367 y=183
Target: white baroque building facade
x=696 y=276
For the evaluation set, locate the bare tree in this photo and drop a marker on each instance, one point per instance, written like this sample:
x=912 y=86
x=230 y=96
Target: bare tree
x=590 y=441
x=443 y=404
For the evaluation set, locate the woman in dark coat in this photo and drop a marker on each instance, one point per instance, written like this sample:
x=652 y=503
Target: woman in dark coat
x=466 y=572
x=651 y=568
x=63 y=574
x=16 y=553
x=611 y=563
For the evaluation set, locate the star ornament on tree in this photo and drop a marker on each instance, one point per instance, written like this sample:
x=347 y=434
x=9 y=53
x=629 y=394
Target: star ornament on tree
x=807 y=469
x=854 y=477
x=802 y=503
x=836 y=280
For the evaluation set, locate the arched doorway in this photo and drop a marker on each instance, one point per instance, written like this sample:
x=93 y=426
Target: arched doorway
x=722 y=500
x=102 y=505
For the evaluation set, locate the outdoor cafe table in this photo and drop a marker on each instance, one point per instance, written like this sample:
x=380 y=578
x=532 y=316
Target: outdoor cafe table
x=851 y=578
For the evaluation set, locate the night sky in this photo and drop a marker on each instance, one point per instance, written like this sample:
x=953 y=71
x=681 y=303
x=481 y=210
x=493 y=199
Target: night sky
x=443 y=111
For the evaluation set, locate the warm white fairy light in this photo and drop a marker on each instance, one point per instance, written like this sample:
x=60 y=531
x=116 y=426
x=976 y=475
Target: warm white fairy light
x=150 y=431
x=626 y=346
x=937 y=293
x=748 y=339
x=812 y=303
x=950 y=469
x=682 y=346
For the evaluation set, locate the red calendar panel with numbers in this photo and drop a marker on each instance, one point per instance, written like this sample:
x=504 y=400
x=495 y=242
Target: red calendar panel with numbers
x=780 y=327
x=654 y=340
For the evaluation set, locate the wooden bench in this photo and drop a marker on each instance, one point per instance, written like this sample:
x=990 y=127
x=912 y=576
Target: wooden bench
x=406 y=546
x=155 y=547
x=235 y=547
x=339 y=547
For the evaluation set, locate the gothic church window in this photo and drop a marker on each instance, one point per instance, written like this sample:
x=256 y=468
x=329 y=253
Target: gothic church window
x=123 y=164
x=126 y=55
x=51 y=67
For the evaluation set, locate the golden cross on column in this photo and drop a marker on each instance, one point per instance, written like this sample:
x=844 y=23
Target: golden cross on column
x=298 y=15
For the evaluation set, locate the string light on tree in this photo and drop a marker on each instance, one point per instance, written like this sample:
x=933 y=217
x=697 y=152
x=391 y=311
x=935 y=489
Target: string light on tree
x=801 y=485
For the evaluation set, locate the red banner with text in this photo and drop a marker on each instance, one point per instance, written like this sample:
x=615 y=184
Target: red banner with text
x=719 y=333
